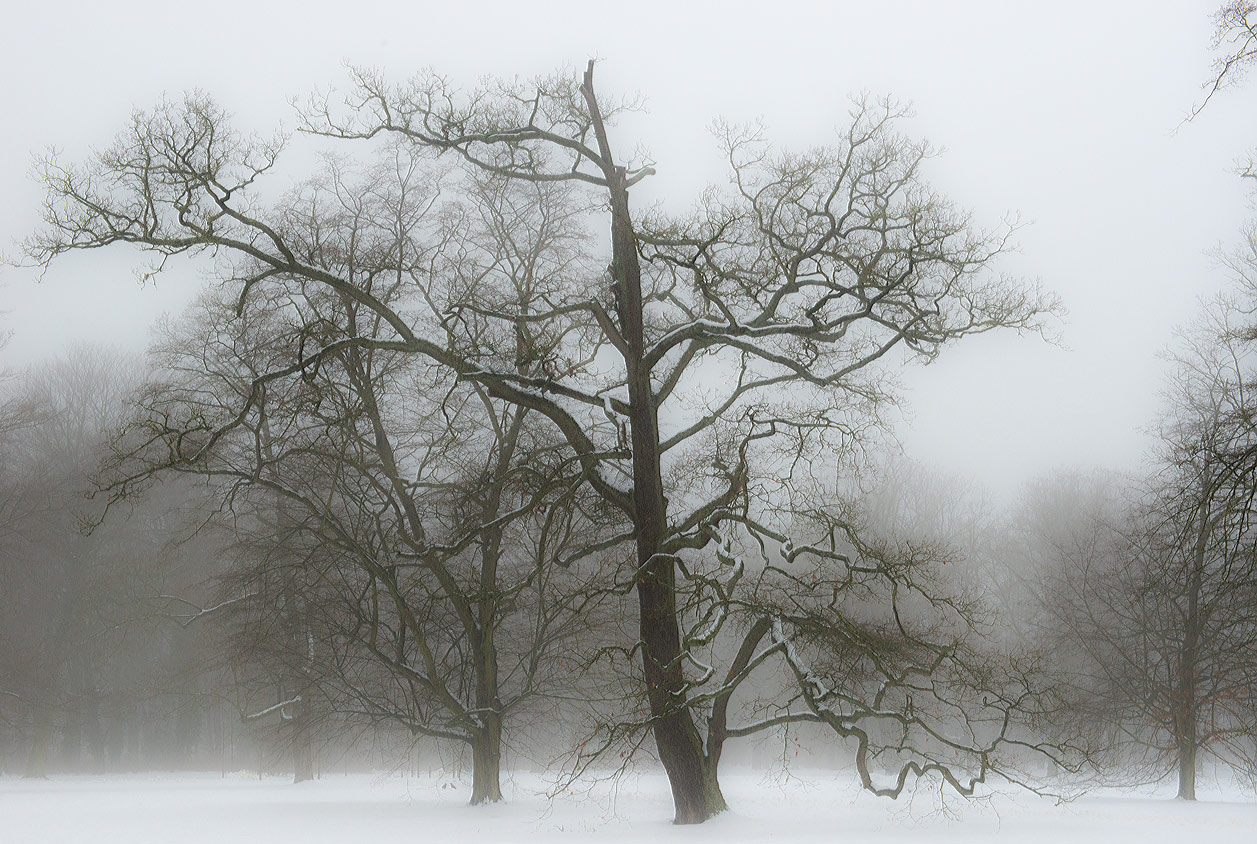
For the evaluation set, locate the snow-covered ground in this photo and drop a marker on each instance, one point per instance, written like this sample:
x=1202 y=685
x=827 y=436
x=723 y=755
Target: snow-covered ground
x=364 y=809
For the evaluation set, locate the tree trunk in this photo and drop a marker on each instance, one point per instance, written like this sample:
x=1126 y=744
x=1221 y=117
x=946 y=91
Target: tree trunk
x=486 y=762
x=37 y=758
x=94 y=732
x=303 y=742
x=1187 y=769
x=718 y=721
x=695 y=788
x=486 y=746
x=71 y=749
x=1187 y=703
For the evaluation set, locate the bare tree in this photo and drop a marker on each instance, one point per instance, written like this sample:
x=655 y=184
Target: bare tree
x=415 y=519
x=1155 y=600
x=1235 y=36
x=746 y=337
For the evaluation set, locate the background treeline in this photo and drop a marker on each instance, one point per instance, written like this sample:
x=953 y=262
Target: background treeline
x=179 y=629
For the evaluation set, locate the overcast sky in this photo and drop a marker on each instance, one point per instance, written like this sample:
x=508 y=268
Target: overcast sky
x=1067 y=115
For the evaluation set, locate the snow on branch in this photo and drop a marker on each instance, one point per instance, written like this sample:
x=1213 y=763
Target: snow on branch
x=278 y=707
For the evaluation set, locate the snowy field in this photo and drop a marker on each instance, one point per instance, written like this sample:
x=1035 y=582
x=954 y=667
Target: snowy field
x=823 y=806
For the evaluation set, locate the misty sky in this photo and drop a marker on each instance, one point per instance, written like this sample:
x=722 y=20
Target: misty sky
x=1066 y=114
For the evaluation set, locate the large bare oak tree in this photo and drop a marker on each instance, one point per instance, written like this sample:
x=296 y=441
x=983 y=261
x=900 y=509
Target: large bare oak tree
x=758 y=326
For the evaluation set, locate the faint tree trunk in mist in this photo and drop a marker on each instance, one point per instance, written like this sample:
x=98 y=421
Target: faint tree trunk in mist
x=297 y=627
x=1187 y=713
x=1187 y=764
x=303 y=741
x=41 y=741
x=486 y=745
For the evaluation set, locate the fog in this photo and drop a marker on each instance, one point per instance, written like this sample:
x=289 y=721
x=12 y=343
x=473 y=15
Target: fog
x=406 y=453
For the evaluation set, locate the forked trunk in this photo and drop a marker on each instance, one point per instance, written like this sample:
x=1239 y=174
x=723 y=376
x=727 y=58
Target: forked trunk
x=695 y=788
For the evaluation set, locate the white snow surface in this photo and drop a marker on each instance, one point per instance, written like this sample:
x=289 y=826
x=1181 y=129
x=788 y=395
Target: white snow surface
x=183 y=808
